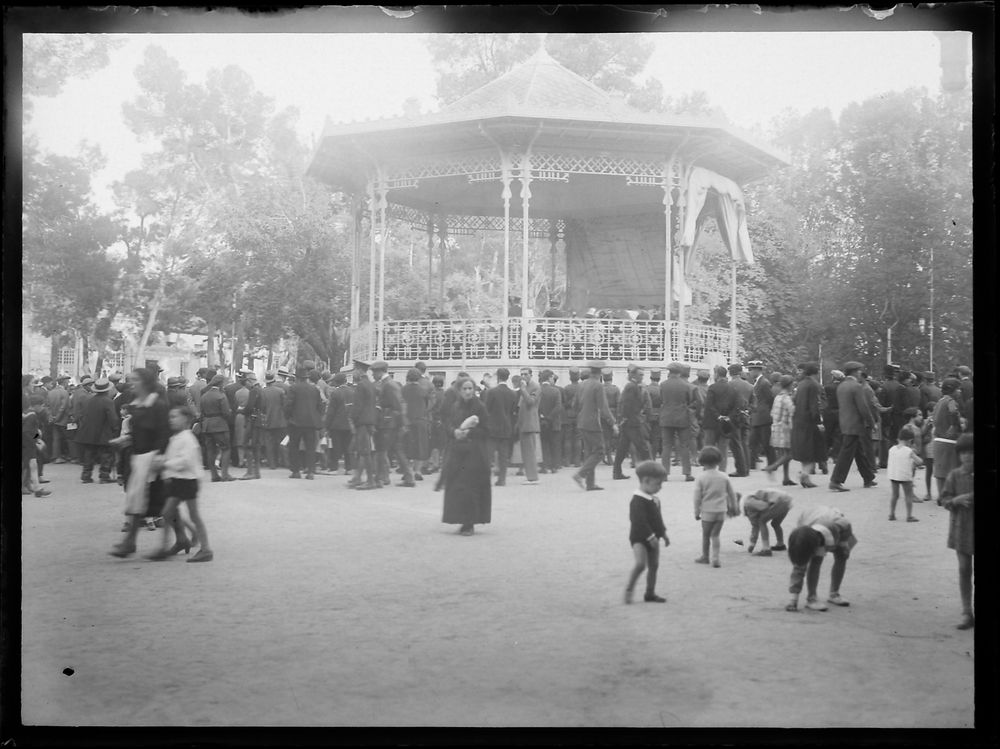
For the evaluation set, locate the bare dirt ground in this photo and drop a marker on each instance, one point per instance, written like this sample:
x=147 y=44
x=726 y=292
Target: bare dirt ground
x=329 y=607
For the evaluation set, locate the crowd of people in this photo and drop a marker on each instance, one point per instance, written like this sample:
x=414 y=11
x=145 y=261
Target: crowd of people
x=154 y=439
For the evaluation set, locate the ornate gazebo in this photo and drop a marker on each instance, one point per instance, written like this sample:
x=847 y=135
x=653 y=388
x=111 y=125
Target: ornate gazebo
x=626 y=192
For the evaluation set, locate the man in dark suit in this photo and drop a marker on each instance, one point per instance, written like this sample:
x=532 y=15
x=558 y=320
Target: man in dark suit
x=721 y=422
x=273 y=417
x=97 y=428
x=392 y=423
x=760 y=414
x=677 y=413
x=613 y=395
x=831 y=414
x=570 y=437
x=593 y=412
x=550 y=418
x=501 y=402
x=888 y=395
x=929 y=393
x=632 y=423
x=230 y=392
x=253 y=427
x=304 y=411
x=856 y=424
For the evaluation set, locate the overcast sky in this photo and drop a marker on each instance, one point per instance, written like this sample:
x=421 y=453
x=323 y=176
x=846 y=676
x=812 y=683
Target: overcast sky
x=752 y=77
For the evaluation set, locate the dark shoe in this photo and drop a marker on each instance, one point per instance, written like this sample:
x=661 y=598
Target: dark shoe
x=595 y=488
x=228 y=478
x=178 y=547
x=366 y=487
x=295 y=475
x=86 y=481
x=46 y=481
x=788 y=482
x=837 y=487
x=43 y=493
x=202 y=556
x=102 y=481
x=689 y=477
x=410 y=484
x=122 y=551
x=763 y=553
x=309 y=477
x=912 y=520
x=418 y=477
x=248 y=477
x=779 y=547
x=620 y=477
x=738 y=475
x=653 y=598
x=807 y=484
x=968 y=622
x=499 y=483
x=870 y=484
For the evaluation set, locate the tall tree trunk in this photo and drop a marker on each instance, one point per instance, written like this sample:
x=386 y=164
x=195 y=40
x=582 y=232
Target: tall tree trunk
x=85 y=353
x=154 y=310
x=238 y=343
x=54 y=357
x=270 y=357
x=210 y=340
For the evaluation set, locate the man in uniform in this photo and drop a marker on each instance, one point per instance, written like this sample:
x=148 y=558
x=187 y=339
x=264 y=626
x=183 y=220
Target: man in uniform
x=613 y=395
x=677 y=414
x=593 y=412
x=632 y=423
x=215 y=426
x=229 y=390
x=363 y=415
x=760 y=415
x=653 y=414
x=392 y=423
x=571 y=440
x=700 y=394
x=742 y=417
x=253 y=427
x=929 y=393
x=304 y=412
x=338 y=422
x=57 y=400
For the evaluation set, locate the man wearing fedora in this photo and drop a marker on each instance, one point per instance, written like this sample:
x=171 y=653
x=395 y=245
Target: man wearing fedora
x=97 y=427
x=304 y=412
x=856 y=424
x=364 y=413
x=77 y=405
x=252 y=429
x=677 y=416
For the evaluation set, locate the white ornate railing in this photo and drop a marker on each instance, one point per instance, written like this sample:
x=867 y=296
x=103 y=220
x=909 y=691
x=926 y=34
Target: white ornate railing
x=544 y=339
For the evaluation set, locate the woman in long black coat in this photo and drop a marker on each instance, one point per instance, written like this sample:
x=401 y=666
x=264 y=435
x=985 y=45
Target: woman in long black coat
x=808 y=441
x=468 y=496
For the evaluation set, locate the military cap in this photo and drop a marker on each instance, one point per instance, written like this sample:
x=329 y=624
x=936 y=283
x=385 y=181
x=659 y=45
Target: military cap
x=595 y=364
x=62 y=378
x=46 y=380
x=929 y=376
x=755 y=364
x=363 y=365
x=964 y=371
x=270 y=376
x=654 y=374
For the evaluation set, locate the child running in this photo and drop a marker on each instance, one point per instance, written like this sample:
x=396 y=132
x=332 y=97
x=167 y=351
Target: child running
x=820 y=529
x=714 y=498
x=901 y=465
x=181 y=465
x=647 y=529
x=957 y=498
x=762 y=507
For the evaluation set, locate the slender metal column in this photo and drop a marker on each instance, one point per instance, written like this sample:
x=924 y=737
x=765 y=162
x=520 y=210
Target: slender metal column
x=505 y=329
x=383 y=237
x=356 y=266
x=525 y=202
x=430 y=258
x=443 y=244
x=732 y=317
x=371 y=262
x=668 y=253
x=682 y=260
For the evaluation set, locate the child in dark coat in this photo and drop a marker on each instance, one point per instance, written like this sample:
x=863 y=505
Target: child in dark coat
x=647 y=529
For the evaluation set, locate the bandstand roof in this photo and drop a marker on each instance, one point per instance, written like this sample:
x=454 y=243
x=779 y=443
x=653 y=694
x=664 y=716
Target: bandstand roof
x=555 y=109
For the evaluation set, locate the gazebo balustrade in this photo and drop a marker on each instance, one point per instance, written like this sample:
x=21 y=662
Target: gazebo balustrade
x=545 y=339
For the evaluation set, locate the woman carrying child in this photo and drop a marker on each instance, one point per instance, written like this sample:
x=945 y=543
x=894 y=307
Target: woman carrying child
x=180 y=467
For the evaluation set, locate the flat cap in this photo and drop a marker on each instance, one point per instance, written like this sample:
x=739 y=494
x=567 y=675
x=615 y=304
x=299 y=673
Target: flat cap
x=853 y=366
x=380 y=365
x=216 y=381
x=86 y=380
x=46 y=379
x=595 y=364
x=929 y=376
x=675 y=367
x=115 y=377
x=270 y=376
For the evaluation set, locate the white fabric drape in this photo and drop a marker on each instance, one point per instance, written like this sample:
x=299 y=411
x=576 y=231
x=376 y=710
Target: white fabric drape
x=730 y=212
